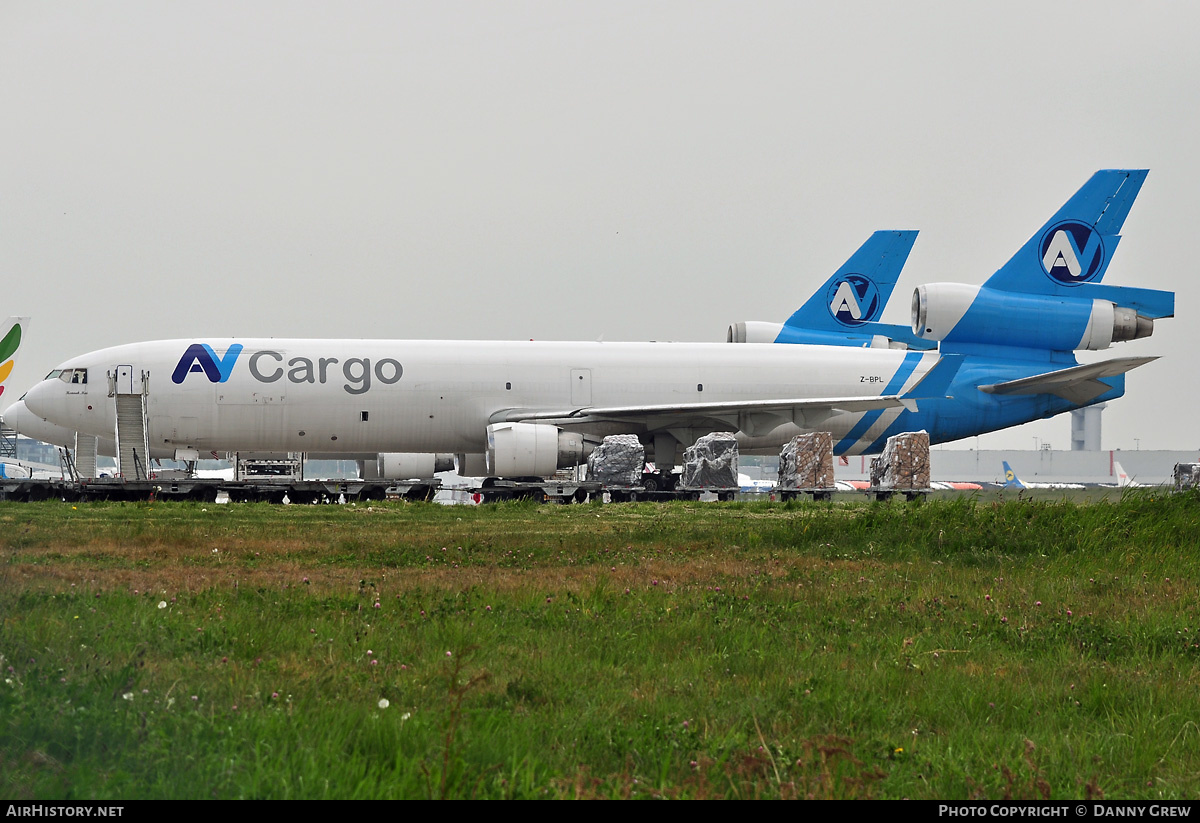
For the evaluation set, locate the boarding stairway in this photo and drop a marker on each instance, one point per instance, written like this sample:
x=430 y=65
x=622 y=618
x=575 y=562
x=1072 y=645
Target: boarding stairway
x=8 y=443
x=133 y=448
x=84 y=462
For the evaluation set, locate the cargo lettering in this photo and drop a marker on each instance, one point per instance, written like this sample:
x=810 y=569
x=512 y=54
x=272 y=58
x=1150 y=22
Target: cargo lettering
x=267 y=366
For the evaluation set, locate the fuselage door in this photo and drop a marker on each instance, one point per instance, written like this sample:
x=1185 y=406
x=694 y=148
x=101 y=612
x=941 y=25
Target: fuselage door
x=125 y=381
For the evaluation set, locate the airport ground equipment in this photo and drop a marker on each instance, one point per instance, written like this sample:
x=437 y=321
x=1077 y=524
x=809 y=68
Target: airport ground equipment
x=806 y=467
x=24 y=490
x=903 y=467
x=129 y=386
x=1187 y=476
x=203 y=489
x=274 y=467
x=8 y=443
x=550 y=490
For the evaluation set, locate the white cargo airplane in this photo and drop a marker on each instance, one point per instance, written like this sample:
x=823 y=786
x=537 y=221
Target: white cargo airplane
x=536 y=406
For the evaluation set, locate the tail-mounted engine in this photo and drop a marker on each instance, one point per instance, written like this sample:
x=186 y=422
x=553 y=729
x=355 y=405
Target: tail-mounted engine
x=753 y=331
x=958 y=313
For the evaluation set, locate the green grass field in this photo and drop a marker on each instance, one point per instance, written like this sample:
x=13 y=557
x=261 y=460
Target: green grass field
x=960 y=648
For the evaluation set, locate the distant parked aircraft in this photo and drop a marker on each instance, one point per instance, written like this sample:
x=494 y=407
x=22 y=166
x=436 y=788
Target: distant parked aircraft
x=943 y=485
x=1011 y=481
x=1124 y=481
x=745 y=484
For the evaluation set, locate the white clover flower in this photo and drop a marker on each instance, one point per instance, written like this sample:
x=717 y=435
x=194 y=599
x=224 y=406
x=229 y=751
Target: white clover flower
x=383 y=703
x=162 y=604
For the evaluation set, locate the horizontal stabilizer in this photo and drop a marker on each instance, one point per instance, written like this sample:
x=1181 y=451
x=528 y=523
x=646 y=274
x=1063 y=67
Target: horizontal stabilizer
x=1151 y=303
x=1078 y=384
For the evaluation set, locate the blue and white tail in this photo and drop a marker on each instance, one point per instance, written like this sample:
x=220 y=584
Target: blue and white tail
x=1011 y=481
x=1048 y=299
x=1076 y=245
x=845 y=310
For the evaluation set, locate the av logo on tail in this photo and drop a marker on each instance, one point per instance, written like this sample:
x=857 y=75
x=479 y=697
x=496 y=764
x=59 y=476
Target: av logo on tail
x=200 y=357
x=1072 y=253
x=853 y=300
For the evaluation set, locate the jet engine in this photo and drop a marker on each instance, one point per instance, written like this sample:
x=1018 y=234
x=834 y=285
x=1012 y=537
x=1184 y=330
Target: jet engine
x=410 y=465
x=959 y=313
x=753 y=331
x=532 y=449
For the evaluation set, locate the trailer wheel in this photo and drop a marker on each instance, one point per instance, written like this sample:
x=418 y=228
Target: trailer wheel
x=419 y=494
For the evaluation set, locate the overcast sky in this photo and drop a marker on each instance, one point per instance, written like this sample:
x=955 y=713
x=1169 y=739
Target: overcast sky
x=567 y=170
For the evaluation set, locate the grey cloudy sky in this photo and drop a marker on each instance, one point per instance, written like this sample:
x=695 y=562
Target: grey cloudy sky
x=560 y=170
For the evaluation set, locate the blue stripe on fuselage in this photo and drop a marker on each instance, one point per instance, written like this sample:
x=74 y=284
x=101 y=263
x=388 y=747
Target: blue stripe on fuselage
x=893 y=387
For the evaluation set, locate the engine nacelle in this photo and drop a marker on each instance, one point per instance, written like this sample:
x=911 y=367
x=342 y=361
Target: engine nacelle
x=753 y=331
x=471 y=464
x=532 y=449
x=412 y=465
x=958 y=313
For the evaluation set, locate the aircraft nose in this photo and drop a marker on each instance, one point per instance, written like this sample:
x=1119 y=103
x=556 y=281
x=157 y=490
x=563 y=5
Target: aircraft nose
x=17 y=417
x=45 y=400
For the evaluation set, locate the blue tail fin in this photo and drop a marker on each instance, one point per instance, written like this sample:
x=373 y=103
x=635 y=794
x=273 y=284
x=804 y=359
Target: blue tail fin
x=846 y=309
x=1076 y=245
x=1011 y=481
x=1048 y=298
x=858 y=291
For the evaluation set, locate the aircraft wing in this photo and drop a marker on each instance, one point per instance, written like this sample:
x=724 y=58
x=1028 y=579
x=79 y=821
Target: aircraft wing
x=1078 y=384
x=750 y=416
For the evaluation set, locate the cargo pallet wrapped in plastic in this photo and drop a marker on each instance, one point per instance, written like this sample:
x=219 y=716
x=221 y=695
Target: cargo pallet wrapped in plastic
x=903 y=466
x=1187 y=476
x=806 y=465
x=712 y=463
x=618 y=461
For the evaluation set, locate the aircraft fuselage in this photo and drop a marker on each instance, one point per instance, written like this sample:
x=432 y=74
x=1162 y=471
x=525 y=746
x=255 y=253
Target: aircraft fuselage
x=361 y=396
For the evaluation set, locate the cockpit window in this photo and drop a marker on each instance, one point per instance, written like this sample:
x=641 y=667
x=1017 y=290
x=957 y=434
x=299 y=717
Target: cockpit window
x=54 y=374
x=73 y=376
